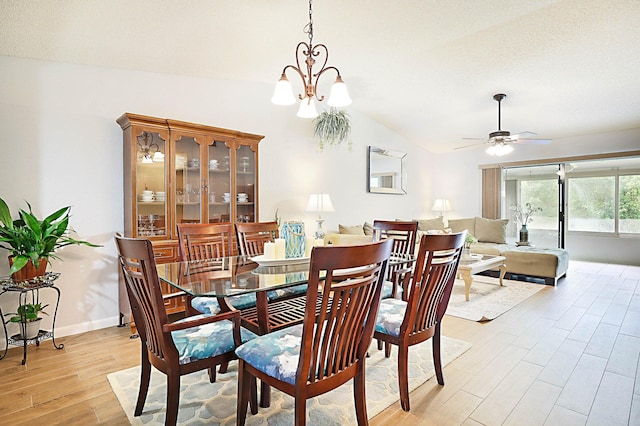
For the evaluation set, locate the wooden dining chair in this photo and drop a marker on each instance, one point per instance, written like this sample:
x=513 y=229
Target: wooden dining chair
x=253 y=235
x=206 y=241
x=251 y=240
x=329 y=348
x=198 y=241
x=178 y=348
x=404 y=235
x=405 y=323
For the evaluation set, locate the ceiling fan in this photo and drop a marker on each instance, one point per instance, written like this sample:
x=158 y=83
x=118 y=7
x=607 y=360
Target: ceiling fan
x=500 y=141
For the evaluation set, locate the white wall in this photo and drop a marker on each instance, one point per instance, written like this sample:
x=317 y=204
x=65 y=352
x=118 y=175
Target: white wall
x=61 y=145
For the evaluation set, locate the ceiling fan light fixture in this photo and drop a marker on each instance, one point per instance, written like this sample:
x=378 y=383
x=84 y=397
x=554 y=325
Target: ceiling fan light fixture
x=499 y=149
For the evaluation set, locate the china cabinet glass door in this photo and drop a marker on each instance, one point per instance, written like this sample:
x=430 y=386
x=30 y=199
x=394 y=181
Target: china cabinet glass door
x=150 y=185
x=245 y=181
x=219 y=182
x=188 y=163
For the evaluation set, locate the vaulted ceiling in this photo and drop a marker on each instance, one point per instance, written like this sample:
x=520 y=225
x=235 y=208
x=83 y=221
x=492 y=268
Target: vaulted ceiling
x=425 y=68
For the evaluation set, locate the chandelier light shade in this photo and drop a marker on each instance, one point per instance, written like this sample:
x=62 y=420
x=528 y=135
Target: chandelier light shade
x=308 y=54
x=319 y=203
x=441 y=205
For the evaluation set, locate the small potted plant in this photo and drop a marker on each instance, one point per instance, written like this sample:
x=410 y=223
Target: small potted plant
x=469 y=239
x=31 y=242
x=27 y=316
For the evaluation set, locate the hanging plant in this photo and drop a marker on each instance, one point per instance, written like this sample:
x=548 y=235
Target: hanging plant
x=332 y=127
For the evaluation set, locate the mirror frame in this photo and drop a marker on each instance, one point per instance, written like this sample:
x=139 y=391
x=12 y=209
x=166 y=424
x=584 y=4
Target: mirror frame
x=396 y=160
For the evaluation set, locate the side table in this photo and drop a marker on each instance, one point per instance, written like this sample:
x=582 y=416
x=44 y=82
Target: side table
x=29 y=288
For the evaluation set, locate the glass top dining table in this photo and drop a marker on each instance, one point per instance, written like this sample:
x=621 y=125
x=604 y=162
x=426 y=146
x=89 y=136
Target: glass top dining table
x=231 y=276
x=237 y=275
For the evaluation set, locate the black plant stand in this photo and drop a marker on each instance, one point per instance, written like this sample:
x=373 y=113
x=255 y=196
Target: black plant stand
x=29 y=288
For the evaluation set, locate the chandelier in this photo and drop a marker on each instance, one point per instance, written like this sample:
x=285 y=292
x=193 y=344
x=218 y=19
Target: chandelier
x=307 y=53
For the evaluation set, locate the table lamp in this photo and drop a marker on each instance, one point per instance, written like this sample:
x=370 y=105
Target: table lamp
x=441 y=205
x=319 y=203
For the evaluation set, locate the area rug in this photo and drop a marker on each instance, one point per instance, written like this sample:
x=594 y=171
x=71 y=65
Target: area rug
x=207 y=403
x=487 y=299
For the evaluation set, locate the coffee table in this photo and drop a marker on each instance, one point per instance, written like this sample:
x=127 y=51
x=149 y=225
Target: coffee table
x=479 y=263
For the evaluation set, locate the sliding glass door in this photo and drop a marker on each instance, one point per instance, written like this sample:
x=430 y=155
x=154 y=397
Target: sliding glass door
x=541 y=187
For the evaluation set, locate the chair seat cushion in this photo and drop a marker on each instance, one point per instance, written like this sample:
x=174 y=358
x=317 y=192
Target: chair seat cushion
x=275 y=354
x=390 y=316
x=387 y=290
x=206 y=341
x=210 y=305
x=286 y=292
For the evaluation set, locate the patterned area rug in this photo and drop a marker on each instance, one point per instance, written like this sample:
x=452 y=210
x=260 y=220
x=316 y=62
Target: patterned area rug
x=207 y=403
x=487 y=299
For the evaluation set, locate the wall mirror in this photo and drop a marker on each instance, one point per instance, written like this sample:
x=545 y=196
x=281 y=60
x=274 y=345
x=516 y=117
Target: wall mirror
x=386 y=171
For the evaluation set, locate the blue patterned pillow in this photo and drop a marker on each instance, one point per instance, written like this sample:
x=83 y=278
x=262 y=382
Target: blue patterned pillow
x=206 y=341
x=275 y=353
x=390 y=316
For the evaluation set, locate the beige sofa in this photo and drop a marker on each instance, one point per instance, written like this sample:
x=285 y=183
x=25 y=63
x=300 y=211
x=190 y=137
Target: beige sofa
x=522 y=262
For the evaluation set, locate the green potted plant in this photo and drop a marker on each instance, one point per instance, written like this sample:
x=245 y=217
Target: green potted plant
x=332 y=127
x=28 y=316
x=31 y=242
x=469 y=239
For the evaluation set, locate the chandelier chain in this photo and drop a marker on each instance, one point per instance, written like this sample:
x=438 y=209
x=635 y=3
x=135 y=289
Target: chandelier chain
x=308 y=29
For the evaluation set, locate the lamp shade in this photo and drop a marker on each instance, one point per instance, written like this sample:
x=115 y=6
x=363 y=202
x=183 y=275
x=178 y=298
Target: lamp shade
x=283 y=93
x=339 y=96
x=319 y=203
x=307 y=109
x=441 y=205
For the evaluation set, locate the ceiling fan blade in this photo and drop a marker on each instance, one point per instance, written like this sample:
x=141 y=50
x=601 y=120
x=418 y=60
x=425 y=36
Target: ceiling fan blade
x=523 y=135
x=533 y=141
x=475 y=139
x=475 y=145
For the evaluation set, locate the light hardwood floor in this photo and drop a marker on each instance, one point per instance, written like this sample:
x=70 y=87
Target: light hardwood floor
x=566 y=356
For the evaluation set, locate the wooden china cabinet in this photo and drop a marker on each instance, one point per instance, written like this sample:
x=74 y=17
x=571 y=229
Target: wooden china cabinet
x=179 y=172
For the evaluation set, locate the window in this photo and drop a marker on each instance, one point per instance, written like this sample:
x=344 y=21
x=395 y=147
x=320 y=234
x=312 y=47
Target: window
x=629 y=195
x=592 y=204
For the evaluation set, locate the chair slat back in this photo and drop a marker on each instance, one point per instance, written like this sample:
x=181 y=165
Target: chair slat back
x=252 y=236
x=338 y=335
x=404 y=235
x=432 y=281
x=145 y=295
x=201 y=241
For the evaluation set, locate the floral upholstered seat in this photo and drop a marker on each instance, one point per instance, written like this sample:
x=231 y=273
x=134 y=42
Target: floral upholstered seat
x=390 y=316
x=207 y=340
x=210 y=305
x=275 y=353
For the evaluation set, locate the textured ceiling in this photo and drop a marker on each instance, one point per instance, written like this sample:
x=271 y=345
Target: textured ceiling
x=425 y=68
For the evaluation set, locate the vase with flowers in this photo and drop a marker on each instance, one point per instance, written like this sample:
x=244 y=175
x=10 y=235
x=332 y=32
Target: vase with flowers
x=524 y=215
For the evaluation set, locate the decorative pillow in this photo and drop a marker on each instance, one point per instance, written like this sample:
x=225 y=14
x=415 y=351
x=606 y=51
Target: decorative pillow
x=367 y=228
x=430 y=224
x=491 y=230
x=355 y=229
x=459 y=225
